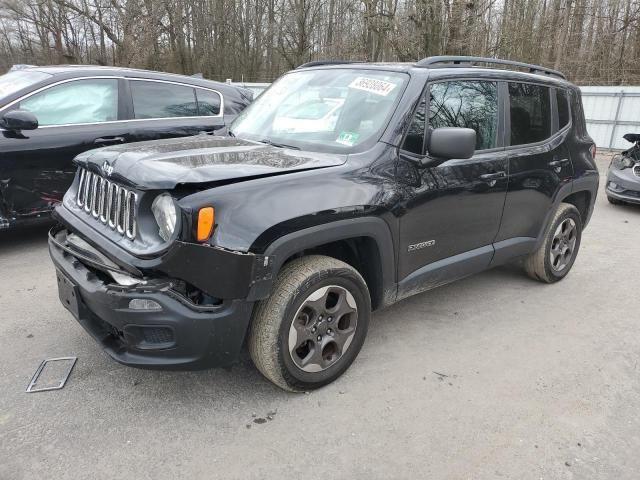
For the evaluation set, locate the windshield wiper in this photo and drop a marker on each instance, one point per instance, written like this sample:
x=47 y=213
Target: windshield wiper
x=279 y=145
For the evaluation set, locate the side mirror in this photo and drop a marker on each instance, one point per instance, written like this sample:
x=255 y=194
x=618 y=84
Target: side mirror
x=450 y=142
x=17 y=120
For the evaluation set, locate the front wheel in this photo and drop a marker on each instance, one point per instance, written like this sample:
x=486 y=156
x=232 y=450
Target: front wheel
x=311 y=328
x=553 y=259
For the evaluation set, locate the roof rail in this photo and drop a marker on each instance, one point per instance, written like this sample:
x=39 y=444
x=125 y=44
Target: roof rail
x=326 y=62
x=448 y=60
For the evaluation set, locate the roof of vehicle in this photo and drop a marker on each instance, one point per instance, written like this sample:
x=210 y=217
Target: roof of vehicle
x=84 y=70
x=447 y=67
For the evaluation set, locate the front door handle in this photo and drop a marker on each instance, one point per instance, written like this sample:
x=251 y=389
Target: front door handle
x=108 y=140
x=487 y=177
x=492 y=178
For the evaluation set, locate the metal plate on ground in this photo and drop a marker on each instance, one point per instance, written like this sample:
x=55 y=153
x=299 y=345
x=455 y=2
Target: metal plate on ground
x=63 y=365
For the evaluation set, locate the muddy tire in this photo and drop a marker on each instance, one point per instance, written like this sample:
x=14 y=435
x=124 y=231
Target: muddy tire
x=553 y=259
x=312 y=327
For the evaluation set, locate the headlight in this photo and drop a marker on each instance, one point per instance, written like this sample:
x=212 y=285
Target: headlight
x=165 y=212
x=620 y=162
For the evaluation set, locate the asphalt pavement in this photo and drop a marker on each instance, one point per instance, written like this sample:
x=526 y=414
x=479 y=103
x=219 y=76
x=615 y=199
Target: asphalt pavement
x=495 y=376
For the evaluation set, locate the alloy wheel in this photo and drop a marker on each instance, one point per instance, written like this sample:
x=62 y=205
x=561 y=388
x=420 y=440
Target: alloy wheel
x=563 y=244
x=323 y=328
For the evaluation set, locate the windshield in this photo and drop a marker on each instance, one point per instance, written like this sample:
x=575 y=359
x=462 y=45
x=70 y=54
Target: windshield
x=13 y=82
x=322 y=110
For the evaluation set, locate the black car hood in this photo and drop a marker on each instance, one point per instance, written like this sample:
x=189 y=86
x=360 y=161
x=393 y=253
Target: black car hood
x=164 y=164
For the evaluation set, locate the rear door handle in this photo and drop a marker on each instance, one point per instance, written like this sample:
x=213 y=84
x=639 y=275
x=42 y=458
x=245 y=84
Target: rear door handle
x=487 y=177
x=108 y=140
x=558 y=164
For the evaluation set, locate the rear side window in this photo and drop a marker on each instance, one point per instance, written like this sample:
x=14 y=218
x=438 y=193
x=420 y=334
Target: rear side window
x=162 y=100
x=466 y=104
x=208 y=103
x=564 y=113
x=414 y=141
x=530 y=113
x=76 y=102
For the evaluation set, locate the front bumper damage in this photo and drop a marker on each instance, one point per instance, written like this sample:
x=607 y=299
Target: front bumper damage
x=143 y=315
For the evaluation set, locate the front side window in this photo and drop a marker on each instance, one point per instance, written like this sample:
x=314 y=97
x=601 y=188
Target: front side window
x=75 y=102
x=162 y=100
x=466 y=104
x=530 y=113
x=324 y=109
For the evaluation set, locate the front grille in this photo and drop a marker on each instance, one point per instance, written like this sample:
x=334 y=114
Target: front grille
x=636 y=169
x=108 y=202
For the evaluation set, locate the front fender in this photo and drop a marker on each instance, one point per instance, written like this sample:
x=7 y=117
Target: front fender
x=372 y=227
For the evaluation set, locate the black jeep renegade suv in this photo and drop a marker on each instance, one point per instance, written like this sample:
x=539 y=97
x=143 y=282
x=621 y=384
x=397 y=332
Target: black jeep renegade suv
x=341 y=190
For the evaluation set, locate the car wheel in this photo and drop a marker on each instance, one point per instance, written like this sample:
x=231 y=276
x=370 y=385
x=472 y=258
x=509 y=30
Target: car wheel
x=614 y=201
x=553 y=259
x=311 y=328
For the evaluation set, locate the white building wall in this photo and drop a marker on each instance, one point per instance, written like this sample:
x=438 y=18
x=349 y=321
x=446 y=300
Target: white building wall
x=611 y=112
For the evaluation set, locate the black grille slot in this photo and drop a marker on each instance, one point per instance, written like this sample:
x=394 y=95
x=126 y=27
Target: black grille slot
x=108 y=203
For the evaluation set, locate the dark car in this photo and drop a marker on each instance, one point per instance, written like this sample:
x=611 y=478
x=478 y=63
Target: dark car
x=286 y=235
x=48 y=115
x=623 y=177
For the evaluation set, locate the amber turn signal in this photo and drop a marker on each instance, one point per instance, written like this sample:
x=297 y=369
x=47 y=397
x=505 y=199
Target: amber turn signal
x=206 y=221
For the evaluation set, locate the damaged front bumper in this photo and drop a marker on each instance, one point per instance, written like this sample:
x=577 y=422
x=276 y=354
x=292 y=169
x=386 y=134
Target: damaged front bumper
x=147 y=324
x=187 y=308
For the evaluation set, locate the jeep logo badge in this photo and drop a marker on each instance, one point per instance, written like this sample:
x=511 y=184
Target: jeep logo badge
x=107 y=169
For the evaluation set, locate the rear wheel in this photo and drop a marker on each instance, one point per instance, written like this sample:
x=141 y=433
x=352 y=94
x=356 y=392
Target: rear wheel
x=311 y=328
x=554 y=258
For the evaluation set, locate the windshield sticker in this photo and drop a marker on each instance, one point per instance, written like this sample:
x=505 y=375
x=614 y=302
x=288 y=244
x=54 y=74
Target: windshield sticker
x=348 y=138
x=371 y=85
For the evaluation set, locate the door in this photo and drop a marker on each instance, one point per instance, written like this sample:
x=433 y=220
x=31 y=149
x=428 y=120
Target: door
x=36 y=166
x=163 y=109
x=539 y=162
x=453 y=213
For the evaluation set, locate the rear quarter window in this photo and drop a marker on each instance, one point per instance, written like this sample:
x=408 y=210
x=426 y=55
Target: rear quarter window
x=530 y=113
x=208 y=102
x=564 y=111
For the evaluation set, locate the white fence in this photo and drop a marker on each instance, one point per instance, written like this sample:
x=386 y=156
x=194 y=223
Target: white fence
x=610 y=112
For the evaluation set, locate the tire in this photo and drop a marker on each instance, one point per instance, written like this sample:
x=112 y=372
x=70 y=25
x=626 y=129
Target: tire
x=614 y=201
x=306 y=292
x=539 y=264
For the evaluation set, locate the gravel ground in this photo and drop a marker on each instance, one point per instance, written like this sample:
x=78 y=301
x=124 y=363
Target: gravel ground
x=495 y=376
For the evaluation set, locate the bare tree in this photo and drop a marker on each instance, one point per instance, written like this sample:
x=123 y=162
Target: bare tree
x=594 y=41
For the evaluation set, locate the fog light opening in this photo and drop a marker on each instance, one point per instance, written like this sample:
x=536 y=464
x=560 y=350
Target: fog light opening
x=615 y=187
x=144 y=304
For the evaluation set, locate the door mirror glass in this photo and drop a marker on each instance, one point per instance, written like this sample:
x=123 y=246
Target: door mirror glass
x=452 y=142
x=17 y=120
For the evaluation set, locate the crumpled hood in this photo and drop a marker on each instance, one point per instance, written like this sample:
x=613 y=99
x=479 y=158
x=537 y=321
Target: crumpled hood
x=164 y=164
